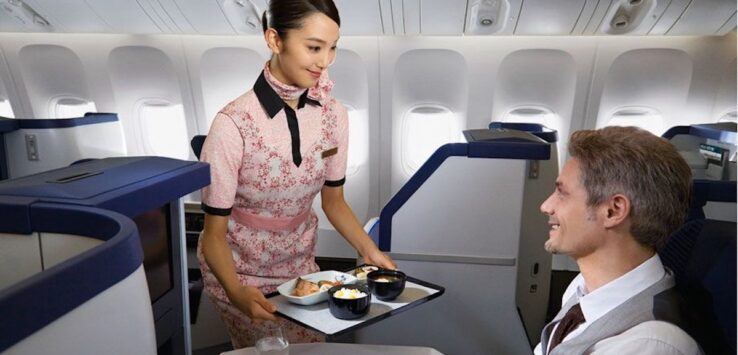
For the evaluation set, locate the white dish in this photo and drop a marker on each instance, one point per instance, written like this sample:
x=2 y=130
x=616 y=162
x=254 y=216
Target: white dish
x=286 y=288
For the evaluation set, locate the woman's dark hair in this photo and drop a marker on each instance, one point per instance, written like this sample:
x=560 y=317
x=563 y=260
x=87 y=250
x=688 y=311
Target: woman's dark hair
x=285 y=15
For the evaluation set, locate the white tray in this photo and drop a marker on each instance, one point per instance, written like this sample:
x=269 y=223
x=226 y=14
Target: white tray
x=318 y=317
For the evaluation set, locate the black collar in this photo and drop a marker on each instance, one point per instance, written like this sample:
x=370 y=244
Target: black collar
x=271 y=101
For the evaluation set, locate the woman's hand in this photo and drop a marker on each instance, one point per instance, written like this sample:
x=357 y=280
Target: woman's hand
x=252 y=302
x=377 y=258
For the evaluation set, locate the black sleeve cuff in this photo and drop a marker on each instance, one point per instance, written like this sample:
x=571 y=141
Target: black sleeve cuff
x=216 y=211
x=335 y=183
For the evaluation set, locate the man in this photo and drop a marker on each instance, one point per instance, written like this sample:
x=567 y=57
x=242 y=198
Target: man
x=618 y=198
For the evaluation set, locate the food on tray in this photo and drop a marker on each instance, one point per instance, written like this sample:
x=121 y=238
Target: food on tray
x=325 y=285
x=305 y=287
x=361 y=272
x=386 y=279
x=349 y=293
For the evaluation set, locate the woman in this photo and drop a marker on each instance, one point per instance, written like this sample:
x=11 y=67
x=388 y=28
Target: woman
x=271 y=151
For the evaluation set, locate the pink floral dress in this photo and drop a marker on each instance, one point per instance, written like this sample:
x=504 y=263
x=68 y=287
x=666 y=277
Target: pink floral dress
x=265 y=180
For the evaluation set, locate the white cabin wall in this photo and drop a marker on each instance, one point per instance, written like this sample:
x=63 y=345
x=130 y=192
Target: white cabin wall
x=7 y=90
x=479 y=91
x=221 y=68
x=725 y=100
x=111 y=91
x=161 y=74
x=355 y=75
x=709 y=57
x=50 y=72
x=86 y=48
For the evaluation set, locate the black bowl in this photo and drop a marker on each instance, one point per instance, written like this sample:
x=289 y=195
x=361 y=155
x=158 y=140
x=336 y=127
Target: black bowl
x=343 y=308
x=386 y=291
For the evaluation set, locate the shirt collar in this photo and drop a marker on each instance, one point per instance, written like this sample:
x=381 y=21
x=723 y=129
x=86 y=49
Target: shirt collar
x=597 y=303
x=271 y=101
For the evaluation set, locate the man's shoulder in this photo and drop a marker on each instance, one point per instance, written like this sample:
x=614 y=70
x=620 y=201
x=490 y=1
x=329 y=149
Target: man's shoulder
x=652 y=337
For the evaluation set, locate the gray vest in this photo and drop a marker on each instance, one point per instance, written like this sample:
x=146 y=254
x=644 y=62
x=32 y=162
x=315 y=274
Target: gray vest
x=660 y=301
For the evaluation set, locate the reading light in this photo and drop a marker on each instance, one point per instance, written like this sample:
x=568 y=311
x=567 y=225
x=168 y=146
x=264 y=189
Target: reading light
x=486 y=16
x=620 y=21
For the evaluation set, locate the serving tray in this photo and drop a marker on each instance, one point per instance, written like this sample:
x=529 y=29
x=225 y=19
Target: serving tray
x=317 y=317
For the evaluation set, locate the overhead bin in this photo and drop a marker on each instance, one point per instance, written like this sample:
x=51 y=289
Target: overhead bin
x=124 y=17
x=670 y=15
x=360 y=18
x=70 y=16
x=17 y=16
x=704 y=17
x=553 y=17
x=652 y=17
x=243 y=15
x=381 y=17
x=626 y=17
x=426 y=17
x=205 y=17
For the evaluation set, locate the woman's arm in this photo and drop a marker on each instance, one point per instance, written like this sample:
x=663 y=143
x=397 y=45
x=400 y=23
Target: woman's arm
x=345 y=222
x=220 y=261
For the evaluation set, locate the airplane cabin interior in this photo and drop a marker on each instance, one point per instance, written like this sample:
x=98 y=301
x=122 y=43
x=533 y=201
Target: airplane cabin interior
x=459 y=118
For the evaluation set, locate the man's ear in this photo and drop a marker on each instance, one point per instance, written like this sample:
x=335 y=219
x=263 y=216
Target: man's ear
x=617 y=210
x=273 y=40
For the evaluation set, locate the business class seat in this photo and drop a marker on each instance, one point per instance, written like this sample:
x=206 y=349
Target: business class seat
x=90 y=258
x=72 y=281
x=468 y=220
x=33 y=145
x=702 y=253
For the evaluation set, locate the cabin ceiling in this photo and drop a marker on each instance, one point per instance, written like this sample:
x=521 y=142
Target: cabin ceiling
x=380 y=17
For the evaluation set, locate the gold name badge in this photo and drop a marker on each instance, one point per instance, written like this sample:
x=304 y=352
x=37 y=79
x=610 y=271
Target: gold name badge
x=329 y=152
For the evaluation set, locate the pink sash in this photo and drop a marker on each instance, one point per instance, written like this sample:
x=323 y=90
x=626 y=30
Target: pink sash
x=269 y=223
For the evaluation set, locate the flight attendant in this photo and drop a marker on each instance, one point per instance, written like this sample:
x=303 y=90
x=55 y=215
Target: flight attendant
x=271 y=151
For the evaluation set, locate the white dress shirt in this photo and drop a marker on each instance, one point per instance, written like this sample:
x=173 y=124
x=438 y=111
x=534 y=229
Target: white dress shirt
x=652 y=337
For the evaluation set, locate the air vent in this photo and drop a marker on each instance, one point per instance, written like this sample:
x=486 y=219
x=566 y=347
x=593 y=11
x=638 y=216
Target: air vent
x=487 y=16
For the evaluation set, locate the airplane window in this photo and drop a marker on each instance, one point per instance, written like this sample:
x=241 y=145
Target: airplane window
x=71 y=107
x=5 y=109
x=424 y=129
x=358 y=151
x=643 y=117
x=729 y=116
x=164 y=130
x=532 y=114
